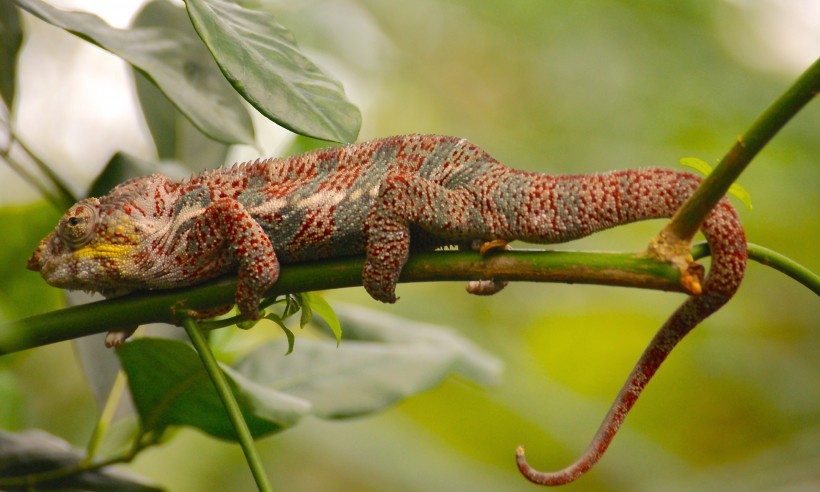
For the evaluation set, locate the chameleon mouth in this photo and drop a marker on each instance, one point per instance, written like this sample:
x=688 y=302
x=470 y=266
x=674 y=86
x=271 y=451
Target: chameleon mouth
x=35 y=263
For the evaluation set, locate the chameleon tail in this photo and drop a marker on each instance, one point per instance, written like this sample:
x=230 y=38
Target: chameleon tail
x=725 y=236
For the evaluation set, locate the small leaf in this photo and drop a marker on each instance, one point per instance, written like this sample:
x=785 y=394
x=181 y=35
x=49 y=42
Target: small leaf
x=168 y=57
x=262 y=61
x=741 y=194
x=288 y=333
x=35 y=451
x=170 y=387
x=705 y=169
x=699 y=165
x=306 y=314
x=11 y=38
x=319 y=305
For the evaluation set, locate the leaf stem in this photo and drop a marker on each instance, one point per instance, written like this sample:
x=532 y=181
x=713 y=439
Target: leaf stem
x=106 y=416
x=691 y=215
x=771 y=258
x=229 y=402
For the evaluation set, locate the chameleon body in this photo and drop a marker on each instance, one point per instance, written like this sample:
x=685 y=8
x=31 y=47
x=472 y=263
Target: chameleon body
x=383 y=199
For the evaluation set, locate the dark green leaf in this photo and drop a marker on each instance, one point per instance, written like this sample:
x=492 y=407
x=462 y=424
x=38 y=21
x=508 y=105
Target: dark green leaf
x=288 y=333
x=35 y=451
x=169 y=58
x=120 y=169
x=361 y=377
x=170 y=387
x=174 y=136
x=262 y=61
x=11 y=37
x=306 y=314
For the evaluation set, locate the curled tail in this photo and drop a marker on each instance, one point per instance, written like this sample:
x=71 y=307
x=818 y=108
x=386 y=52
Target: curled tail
x=620 y=197
x=457 y=193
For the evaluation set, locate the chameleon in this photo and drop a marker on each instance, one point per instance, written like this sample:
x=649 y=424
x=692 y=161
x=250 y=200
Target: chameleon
x=382 y=199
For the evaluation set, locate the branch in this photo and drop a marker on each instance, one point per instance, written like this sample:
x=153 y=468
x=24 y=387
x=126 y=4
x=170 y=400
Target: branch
x=169 y=306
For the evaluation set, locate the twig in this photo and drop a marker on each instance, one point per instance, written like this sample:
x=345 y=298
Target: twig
x=693 y=212
x=229 y=402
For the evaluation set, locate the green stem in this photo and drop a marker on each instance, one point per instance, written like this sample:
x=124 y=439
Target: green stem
x=66 y=197
x=229 y=402
x=772 y=259
x=28 y=177
x=106 y=416
x=691 y=215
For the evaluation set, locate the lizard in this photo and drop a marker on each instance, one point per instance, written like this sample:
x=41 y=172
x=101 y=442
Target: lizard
x=382 y=199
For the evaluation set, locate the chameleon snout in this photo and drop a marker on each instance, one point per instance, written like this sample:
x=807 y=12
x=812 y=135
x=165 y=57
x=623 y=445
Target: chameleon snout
x=35 y=263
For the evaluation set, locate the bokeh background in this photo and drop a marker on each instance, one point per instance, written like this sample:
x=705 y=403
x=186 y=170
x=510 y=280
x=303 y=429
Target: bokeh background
x=559 y=87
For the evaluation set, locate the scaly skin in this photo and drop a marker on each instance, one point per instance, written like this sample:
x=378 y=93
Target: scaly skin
x=383 y=199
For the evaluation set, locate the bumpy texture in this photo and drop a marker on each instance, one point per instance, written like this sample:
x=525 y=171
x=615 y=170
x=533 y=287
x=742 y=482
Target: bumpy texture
x=382 y=198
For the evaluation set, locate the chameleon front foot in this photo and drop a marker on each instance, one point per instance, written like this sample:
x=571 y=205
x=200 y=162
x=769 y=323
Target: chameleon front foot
x=380 y=282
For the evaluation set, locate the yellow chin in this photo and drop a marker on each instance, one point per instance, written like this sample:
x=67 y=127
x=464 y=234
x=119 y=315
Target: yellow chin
x=108 y=251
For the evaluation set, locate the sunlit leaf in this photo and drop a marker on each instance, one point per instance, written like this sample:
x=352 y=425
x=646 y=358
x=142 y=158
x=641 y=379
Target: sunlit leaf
x=168 y=57
x=35 y=451
x=170 y=387
x=318 y=304
x=262 y=61
x=698 y=165
x=705 y=169
x=11 y=37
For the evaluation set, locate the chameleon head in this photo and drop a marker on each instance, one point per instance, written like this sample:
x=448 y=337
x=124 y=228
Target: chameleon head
x=90 y=249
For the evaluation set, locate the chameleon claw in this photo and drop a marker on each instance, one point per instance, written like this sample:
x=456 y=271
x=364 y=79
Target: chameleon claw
x=485 y=247
x=115 y=338
x=487 y=287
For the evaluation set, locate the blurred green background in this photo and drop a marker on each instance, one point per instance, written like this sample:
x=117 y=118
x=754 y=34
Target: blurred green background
x=559 y=87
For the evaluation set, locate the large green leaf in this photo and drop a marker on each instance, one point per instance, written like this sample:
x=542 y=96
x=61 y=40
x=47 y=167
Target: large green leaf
x=402 y=358
x=35 y=451
x=170 y=58
x=170 y=387
x=174 y=136
x=262 y=61
x=11 y=37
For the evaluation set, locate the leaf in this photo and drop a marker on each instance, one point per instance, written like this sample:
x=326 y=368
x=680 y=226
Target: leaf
x=699 y=165
x=262 y=61
x=317 y=303
x=35 y=451
x=361 y=377
x=11 y=38
x=170 y=387
x=168 y=57
x=288 y=333
x=741 y=194
x=705 y=169
x=173 y=134
x=119 y=169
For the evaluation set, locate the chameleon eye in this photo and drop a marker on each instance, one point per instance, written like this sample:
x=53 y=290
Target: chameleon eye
x=77 y=226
